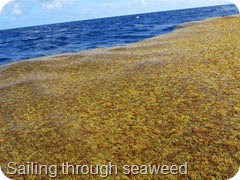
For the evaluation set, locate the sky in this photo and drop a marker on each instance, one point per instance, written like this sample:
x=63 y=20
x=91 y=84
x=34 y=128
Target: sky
x=22 y=13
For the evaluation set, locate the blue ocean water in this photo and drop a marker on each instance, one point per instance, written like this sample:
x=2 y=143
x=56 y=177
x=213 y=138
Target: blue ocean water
x=38 y=41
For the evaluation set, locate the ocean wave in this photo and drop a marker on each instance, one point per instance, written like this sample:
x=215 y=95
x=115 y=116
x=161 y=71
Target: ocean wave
x=24 y=43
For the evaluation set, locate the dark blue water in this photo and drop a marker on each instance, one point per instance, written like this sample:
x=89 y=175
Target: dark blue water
x=38 y=41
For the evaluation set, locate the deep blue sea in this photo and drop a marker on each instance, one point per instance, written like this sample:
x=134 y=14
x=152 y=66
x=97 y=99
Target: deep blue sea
x=38 y=41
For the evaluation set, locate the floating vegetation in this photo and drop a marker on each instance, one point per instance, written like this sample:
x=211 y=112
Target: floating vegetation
x=166 y=100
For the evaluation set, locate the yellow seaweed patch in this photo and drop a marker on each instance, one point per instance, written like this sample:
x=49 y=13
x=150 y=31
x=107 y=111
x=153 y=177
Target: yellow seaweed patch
x=166 y=100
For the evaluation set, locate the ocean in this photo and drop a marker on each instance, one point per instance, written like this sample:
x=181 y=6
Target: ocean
x=38 y=41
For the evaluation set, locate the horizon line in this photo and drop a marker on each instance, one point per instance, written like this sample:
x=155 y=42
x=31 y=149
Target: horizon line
x=97 y=18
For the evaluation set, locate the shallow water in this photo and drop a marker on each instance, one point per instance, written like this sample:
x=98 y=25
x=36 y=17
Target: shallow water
x=38 y=41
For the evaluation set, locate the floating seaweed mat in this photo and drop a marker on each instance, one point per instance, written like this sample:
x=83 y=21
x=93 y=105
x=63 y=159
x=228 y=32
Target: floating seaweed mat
x=167 y=100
